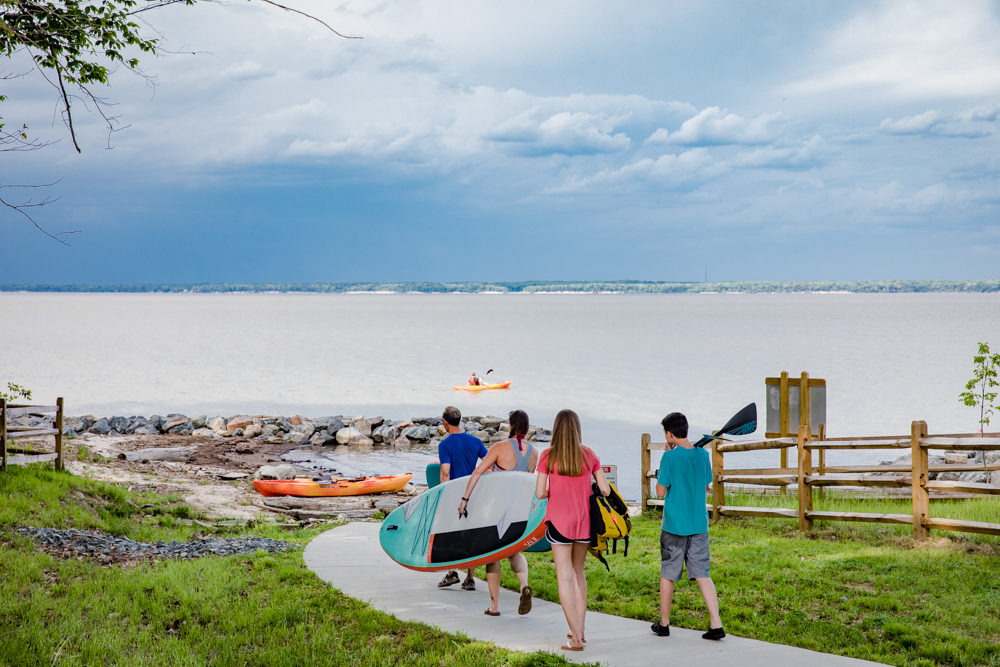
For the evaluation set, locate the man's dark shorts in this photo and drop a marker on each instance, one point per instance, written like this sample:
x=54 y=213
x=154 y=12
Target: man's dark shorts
x=676 y=550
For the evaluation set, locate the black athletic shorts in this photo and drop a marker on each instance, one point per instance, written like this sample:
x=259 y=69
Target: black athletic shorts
x=555 y=537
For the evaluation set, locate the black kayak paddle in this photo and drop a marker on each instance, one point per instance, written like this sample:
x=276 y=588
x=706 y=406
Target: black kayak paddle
x=743 y=422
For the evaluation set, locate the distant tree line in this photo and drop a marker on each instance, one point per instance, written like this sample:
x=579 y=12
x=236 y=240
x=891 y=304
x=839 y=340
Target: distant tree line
x=616 y=286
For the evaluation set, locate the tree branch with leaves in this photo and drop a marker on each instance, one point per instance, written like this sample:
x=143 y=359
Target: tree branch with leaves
x=978 y=392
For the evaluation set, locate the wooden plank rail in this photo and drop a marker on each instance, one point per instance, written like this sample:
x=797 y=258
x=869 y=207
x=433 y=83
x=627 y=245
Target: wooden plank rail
x=868 y=517
x=739 y=446
x=962 y=444
x=916 y=476
x=11 y=432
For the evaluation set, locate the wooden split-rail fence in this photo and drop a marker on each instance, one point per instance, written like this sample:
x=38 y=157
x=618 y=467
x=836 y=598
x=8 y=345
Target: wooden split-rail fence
x=10 y=432
x=807 y=477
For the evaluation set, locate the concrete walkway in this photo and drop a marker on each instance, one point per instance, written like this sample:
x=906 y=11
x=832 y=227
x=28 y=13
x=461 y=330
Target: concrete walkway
x=350 y=558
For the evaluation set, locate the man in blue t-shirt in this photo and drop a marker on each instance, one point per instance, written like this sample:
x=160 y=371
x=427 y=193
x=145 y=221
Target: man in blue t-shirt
x=685 y=472
x=459 y=453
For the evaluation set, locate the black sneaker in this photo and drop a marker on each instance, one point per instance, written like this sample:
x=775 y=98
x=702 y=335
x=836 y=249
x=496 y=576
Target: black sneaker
x=714 y=633
x=660 y=630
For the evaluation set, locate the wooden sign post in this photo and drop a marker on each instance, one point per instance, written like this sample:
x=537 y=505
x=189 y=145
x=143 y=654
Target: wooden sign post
x=792 y=403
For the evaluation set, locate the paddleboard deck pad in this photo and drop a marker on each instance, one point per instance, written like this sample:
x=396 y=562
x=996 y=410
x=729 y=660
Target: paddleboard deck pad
x=504 y=518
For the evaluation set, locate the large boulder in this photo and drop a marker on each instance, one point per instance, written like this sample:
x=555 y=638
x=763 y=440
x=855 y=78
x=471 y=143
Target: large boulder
x=253 y=430
x=420 y=433
x=362 y=425
x=482 y=435
x=471 y=426
x=428 y=421
x=271 y=430
x=376 y=421
x=305 y=427
x=156 y=421
x=295 y=437
x=217 y=424
x=205 y=433
x=322 y=438
x=173 y=422
x=199 y=421
x=385 y=433
x=283 y=471
x=136 y=423
x=101 y=427
x=956 y=458
x=401 y=441
x=184 y=428
x=119 y=424
x=352 y=436
x=491 y=422
x=148 y=429
x=239 y=421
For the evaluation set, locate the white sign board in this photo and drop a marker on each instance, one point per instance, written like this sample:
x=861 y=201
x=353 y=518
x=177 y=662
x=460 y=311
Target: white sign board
x=611 y=472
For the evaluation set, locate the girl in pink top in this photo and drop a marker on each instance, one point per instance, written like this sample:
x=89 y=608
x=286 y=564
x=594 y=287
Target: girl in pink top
x=565 y=471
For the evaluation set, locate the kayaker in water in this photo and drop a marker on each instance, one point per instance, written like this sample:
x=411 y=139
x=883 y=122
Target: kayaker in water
x=515 y=453
x=458 y=454
x=474 y=381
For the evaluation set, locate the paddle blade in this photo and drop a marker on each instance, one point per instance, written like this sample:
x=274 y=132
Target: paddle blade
x=743 y=422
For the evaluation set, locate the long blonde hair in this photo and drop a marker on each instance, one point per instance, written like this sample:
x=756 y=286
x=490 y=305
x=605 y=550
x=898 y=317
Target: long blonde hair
x=565 y=453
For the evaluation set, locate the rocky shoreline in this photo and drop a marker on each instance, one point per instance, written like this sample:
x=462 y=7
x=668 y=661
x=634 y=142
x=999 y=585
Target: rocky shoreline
x=357 y=431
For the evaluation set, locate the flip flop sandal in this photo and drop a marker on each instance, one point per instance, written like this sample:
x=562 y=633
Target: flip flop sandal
x=449 y=579
x=491 y=613
x=569 y=635
x=525 y=605
x=469 y=585
x=567 y=647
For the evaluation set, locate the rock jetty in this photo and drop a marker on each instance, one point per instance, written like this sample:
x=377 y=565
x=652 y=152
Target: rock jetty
x=70 y=543
x=357 y=431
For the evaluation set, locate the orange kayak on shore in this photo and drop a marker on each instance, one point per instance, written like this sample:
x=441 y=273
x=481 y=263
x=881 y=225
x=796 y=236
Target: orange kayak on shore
x=483 y=387
x=334 y=487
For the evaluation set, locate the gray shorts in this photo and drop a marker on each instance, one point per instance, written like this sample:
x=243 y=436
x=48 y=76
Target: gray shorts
x=675 y=550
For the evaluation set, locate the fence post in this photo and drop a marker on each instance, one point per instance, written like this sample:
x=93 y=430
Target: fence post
x=918 y=470
x=805 y=469
x=3 y=434
x=821 y=491
x=644 y=469
x=783 y=428
x=60 y=461
x=718 y=486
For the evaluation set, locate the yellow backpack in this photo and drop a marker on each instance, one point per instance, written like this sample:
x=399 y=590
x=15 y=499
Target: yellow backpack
x=609 y=520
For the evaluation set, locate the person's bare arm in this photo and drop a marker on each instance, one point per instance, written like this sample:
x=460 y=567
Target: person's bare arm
x=661 y=491
x=484 y=465
x=533 y=459
x=445 y=469
x=602 y=481
x=542 y=485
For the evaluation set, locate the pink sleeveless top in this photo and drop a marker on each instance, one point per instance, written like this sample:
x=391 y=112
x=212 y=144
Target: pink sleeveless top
x=569 y=497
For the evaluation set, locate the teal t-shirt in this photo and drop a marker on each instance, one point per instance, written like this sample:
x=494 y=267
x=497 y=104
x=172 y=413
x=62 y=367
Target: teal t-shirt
x=685 y=473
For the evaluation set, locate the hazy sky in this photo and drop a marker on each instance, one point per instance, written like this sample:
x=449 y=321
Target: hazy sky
x=510 y=140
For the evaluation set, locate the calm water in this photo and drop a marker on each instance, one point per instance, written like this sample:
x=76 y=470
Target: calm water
x=621 y=361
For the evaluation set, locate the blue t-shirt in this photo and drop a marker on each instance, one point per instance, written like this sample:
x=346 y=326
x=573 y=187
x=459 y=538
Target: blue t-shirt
x=461 y=451
x=685 y=473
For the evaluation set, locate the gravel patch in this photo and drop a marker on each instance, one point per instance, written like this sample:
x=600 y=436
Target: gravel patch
x=69 y=543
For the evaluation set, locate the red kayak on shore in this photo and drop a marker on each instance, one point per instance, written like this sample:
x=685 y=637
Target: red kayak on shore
x=334 y=487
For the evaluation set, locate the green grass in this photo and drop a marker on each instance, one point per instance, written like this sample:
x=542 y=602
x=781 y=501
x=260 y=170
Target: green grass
x=254 y=610
x=860 y=590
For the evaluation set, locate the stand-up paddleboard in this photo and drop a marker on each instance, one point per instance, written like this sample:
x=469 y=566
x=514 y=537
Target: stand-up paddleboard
x=482 y=387
x=504 y=518
x=434 y=478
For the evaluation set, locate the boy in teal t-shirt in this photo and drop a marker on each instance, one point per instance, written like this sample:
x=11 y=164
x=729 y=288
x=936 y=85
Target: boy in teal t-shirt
x=685 y=472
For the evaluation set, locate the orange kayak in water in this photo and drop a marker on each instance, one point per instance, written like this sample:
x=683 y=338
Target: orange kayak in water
x=483 y=387
x=334 y=487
